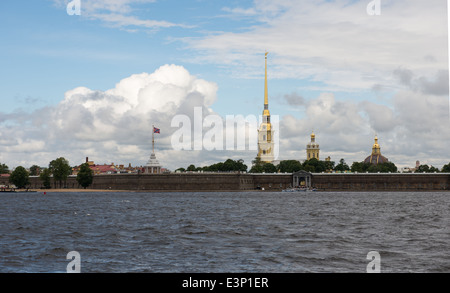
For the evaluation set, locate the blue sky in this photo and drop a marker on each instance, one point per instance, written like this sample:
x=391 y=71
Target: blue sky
x=55 y=52
x=332 y=69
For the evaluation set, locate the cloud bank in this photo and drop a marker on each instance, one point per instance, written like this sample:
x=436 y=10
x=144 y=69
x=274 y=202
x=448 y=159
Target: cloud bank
x=108 y=126
x=332 y=42
x=116 y=125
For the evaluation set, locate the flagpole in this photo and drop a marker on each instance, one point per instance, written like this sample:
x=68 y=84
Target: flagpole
x=153 y=139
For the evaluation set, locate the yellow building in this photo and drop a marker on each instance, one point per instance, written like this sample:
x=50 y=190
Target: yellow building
x=265 y=131
x=312 y=148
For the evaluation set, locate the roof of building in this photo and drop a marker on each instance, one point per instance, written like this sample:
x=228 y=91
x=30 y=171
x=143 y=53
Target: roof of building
x=103 y=168
x=376 y=157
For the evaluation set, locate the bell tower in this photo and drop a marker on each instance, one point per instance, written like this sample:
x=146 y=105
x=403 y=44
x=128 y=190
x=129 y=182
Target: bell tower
x=265 y=131
x=312 y=148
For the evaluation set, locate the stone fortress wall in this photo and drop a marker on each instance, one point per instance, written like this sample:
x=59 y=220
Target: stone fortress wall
x=246 y=181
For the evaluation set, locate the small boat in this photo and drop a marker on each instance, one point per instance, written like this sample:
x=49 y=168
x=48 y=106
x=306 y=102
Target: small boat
x=299 y=189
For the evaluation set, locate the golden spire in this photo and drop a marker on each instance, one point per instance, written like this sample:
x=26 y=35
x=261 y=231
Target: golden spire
x=266 y=93
x=376 y=147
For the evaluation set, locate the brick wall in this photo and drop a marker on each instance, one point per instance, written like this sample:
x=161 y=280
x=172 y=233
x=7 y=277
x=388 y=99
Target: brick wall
x=236 y=181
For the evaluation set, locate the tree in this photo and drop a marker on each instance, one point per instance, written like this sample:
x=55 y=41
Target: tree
x=34 y=170
x=256 y=169
x=329 y=165
x=314 y=165
x=257 y=165
x=360 y=167
x=85 y=176
x=4 y=169
x=389 y=167
x=426 y=169
x=45 y=177
x=60 y=169
x=20 y=177
x=309 y=168
x=260 y=167
x=434 y=169
x=422 y=169
x=228 y=166
x=269 y=168
x=231 y=165
x=342 y=166
x=257 y=161
x=191 y=168
x=385 y=167
x=446 y=168
x=289 y=166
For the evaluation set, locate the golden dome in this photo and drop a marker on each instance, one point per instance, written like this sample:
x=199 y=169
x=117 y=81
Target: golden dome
x=376 y=157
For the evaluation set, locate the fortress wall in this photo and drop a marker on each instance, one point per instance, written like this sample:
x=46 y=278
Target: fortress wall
x=158 y=182
x=380 y=182
x=271 y=181
x=237 y=181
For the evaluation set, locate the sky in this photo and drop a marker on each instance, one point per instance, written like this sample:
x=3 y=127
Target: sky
x=92 y=85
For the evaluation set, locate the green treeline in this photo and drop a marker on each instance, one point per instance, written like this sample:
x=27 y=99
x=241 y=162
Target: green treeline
x=227 y=166
x=58 y=169
x=312 y=165
x=317 y=166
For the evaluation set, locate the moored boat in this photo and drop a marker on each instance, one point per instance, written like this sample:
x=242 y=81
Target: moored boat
x=299 y=189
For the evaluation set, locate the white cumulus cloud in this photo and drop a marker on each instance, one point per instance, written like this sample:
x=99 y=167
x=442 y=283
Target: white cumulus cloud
x=110 y=125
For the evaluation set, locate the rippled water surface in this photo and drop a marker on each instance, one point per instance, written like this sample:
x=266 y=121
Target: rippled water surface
x=225 y=232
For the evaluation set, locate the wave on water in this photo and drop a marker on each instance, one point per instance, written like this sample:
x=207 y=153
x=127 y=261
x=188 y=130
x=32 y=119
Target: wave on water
x=225 y=232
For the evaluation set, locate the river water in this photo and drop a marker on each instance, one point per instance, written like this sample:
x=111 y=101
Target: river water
x=225 y=232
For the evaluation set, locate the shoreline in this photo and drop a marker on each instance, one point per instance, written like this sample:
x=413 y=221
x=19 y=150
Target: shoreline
x=62 y=190
x=250 y=182
x=72 y=190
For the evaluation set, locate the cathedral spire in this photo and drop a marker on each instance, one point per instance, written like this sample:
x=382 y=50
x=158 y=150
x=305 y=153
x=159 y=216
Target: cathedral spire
x=265 y=131
x=266 y=93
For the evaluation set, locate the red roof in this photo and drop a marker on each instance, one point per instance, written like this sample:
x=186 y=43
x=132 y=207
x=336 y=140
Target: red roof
x=103 y=168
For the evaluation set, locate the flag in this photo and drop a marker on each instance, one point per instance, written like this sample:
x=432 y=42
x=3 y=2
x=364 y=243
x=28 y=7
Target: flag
x=156 y=130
